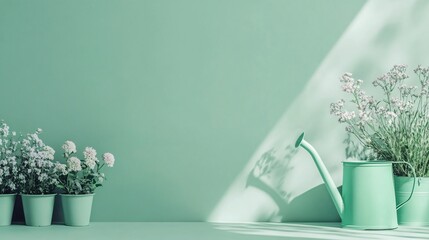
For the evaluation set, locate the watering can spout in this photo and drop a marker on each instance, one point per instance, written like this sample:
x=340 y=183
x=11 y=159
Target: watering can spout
x=332 y=189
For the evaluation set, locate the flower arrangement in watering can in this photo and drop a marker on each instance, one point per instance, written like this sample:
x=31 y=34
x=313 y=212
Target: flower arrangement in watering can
x=368 y=195
x=396 y=128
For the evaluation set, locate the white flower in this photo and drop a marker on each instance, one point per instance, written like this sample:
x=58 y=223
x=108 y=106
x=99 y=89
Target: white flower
x=403 y=106
x=391 y=117
x=49 y=153
x=4 y=129
x=350 y=84
x=42 y=177
x=346 y=116
x=348 y=87
x=391 y=114
x=25 y=142
x=6 y=171
x=35 y=136
x=90 y=153
x=73 y=164
x=364 y=117
x=109 y=159
x=336 y=108
x=69 y=147
x=34 y=155
x=90 y=163
x=61 y=168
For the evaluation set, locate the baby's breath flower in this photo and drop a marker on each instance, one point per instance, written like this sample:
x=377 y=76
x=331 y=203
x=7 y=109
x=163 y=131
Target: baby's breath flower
x=390 y=117
x=8 y=164
x=395 y=126
x=336 y=108
x=49 y=152
x=364 y=117
x=37 y=172
x=347 y=116
x=350 y=85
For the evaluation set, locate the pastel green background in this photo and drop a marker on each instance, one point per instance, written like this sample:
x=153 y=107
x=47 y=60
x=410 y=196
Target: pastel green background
x=182 y=92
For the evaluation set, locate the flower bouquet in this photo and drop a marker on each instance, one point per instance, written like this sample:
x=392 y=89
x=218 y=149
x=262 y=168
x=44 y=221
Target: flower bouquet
x=80 y=179
x=8 y=173
x=37 y=179
x=395 y=128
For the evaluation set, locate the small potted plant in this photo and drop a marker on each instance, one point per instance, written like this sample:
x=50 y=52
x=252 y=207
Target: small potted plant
x=37 y=179
x=79 y=184
x=8 y=173
x=395 y=128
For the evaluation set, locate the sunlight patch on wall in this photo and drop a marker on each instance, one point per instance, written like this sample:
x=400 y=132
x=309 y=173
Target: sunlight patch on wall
x=279 y=184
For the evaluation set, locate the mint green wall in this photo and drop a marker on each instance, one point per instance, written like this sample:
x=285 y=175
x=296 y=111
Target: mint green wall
x=182 y=92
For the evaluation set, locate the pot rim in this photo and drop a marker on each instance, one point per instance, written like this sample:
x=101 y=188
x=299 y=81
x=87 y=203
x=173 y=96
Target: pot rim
x=410 y=177
x=8 y=194
x=362 y=162
x=38 y=195
x=403 y=177
x=76 y=195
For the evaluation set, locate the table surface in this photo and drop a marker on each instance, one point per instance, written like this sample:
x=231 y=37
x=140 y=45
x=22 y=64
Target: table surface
x=203 y=231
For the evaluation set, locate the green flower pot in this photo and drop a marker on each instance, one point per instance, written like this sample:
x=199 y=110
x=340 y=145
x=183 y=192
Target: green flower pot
x=416 y=211
x=7 y=203
x=77 y=209
x=38 y=209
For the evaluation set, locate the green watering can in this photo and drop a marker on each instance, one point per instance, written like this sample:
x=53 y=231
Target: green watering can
x=368 y=194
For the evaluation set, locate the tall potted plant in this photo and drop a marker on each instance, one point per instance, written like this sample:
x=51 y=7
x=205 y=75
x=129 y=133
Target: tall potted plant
x=8 y=173
x=37 y=179
x=79 y=184
x=396 y=128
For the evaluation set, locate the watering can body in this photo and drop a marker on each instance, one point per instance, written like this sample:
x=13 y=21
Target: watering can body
x=368 y=194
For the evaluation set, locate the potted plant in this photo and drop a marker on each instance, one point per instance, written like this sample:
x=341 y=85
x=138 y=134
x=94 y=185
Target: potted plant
x=396 y=128
x=79 y=184
x=37 y=179
x=8 y=173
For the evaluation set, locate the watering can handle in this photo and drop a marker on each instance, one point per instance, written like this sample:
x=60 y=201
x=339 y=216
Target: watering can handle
x=412 y=189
